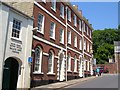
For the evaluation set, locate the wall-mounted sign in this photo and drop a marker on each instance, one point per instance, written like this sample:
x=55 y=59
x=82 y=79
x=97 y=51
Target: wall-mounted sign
x=29 y=59
x=15 y=47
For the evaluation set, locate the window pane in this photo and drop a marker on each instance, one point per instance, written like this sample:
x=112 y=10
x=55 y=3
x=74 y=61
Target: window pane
x=16 y=28
x=37 y=59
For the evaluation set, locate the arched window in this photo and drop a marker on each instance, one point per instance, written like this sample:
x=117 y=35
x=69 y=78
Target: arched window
x=38 y=59
x=50 y=62
x=69 y=62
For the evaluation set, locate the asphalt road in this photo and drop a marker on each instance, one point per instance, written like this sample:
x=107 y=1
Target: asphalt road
x=104 y=81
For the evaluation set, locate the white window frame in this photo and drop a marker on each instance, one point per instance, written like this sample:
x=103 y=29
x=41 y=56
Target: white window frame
x=75 y=41
x=42 y=24
x=69 y=37
x=16 y=29
x=75 y=20
x=69 y=62
x=88 y=49
x=84 y=44
x=88 y=66
x=62 y=36
x=75 y=64
x=54 y=5
x=87 y=30
x=52 y=70
x=69 y=15
x=62 y=12
x=40 y=61
x=90 y=34
x=52 y=37
x=80 y=44
x=80 y=25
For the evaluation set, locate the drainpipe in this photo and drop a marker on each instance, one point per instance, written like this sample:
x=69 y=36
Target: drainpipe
x=66 y=42
x=83 y=48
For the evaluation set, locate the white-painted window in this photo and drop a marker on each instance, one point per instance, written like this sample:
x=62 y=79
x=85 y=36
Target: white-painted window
x=88 y=66
x=80 y=25
x=38 y=60
x=84 y=44
x=75 y=41
x=90 y=34
x=69 y=62
x=84 y=26
x=87 y=30
x=80 y=43
x=69 y=37
x=53 y=4
x=16 y=28
x=52 y=30
x=61 y=36
x=41 y=23
x=75 y=64
x=69 y=14
x=62 y=10
x=75 y=20
x=88 y=47
x=50 y=62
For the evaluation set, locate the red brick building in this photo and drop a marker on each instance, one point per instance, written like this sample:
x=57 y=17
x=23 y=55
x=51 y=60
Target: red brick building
x=62 y=44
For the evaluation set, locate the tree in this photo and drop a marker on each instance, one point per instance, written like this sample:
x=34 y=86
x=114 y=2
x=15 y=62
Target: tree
x=103 y=44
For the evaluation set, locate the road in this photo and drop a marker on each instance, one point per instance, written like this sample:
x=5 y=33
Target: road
x=104 y=81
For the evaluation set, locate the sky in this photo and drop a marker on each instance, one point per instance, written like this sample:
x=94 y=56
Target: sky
x=100 y=14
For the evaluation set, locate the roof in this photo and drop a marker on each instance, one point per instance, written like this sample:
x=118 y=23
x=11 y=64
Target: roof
x=18 y=11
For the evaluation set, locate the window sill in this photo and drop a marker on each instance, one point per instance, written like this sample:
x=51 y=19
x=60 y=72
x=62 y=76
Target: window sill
x=75 y=72
x=69 y=43
x=62 y=43
x=38 y=73
x=53 y=9
x=40 y=32
x=52 y=38
x=69 y=71
x=50 y=73
x=16 y=39
x=62 y=17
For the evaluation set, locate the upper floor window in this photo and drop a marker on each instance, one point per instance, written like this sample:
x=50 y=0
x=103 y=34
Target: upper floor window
x=38 y=59
x=69 y=14
x=62 y=10
x=81 y=44
x=52 y=30
x=41 y=23
x=16 y=28
x=88 y=47
x=53 y=6
x=80 y=25
x=69 y=37
x=50 y=62
x=84 y=44
x=87 y=30
x=69 y=62
x=75 y=64
x=75 y=41
x=61 y=36
x=75 y=20
x=90 y=34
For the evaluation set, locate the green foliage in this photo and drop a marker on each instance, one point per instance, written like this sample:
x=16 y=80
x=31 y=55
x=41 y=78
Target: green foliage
x=103 y=44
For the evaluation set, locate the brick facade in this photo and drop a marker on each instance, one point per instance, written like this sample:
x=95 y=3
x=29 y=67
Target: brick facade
x=46 y=43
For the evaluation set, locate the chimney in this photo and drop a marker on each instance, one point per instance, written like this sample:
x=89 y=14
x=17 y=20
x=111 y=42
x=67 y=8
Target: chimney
x=75 y=6
x=80 y=11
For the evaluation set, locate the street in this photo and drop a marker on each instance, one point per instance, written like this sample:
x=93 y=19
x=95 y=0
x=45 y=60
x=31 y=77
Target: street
x=104 y=81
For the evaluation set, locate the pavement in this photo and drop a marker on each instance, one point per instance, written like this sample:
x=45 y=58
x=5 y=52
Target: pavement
x=59 y=85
